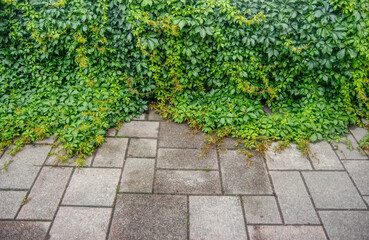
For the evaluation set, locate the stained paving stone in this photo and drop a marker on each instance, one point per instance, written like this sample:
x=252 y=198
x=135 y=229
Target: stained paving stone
x=92 y=187
x=261 y=210
x=293 y=198
x=16 y=230
x=45 y=195
x=111 y=153
x=174 y=135
x=187 y=159
x=359 y=171
x=142 y=148
x=342 y=225
x=333 y=190
x=189 y=182
x=324 y=158
x=138 y=175
x=216 y=217
x=154 y=116
x=139 y=129
x=10 y=202
x=24 y=168
x=156 y=217
x=344 y=152
x=240 y=177
x=286 y=232
x=54 y=159
x=288 y=159
x=111 y=132
x=81 y=223
x=48 y=140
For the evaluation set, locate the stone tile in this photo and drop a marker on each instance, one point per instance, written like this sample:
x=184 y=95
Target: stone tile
x=139 y=129
x=187 y=159
x=342 y=225
x=366 y=198
x=216 y=217
x=81 y=223
x=55 y=161
x=111 y=153
x=358 y=132
x=240 y=177
x=141 y=117
x=344 y=152
x=156 y=217
x=286 y=232
x=142 y=147
x=24 y=168
x=229 y=143
x=324 y=158
x=10 y=202
x=45 y=194
x=289 y=159
x=174 y=135
x=16 y=230
x=138 y=175
x=359 y=171
x=261 y=209
x=111 y=132
x=333 y=190
x=93 y=187
x=154 y=116
x=189 y=182
x=294 y=200
x=48 y=140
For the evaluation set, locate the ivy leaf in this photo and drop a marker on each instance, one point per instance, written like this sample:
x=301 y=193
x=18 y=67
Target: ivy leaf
x=352 y=53
x=146 y=2
x=341 y=54
x=202 y=32
x=181 y=24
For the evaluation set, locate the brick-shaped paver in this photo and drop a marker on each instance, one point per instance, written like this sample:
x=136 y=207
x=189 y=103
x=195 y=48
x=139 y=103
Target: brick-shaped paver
x=216 y=217
x=333 y=190
x=290 y=158
x=286 y=232
x=81 y=223
x=188 y=182
x=343 y=225
x=24 y=168
x=139 y=129
x=92 y=187
x=142 y=148
x=261 y=210
x=17 y=230
x=157 y=217
x=345 y=153
x=359 y=171
x=48 y=140
x=111 y=132
x=154 y=116
x=174 y=135
x=187 y=159
x=10 y=202
x=138 y=175
x=54 y=159
x=111 y=153
x=240 y=177
x=293 y=198
x=323 y=157
x=45 y=195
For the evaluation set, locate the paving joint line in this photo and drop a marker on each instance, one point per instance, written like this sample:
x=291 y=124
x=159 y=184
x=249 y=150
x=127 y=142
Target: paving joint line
x=220 y=171
x=156 y=160
x=244 y=217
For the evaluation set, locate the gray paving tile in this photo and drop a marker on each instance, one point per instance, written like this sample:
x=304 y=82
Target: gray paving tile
x=333 y=190
x=138 y=175
x=154 y=116
x=111 y=132
x=174 y=135
x=324 y=158
x=342 y=225
x=111 y=153
x=54 y=159
x=345 y=153
x=141 y=117
x=216 y=217
x=139 y=129
x=93 y=187
x=229 y=143
x=358 y=132
x=190 y=182
x=16 y=230
x=261 y=209
x=142 y=147
x=24 y=168
x=240 y=177
x=359 y=171
x=10 y=202
x=149 y=217
x=81 y=223
x=366 y=198
x=294 y=200
x=286 y=232
x=45 y=194
x=48 y=140
x=289 y=159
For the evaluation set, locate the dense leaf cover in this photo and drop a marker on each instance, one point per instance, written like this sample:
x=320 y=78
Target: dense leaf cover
x=76 y=68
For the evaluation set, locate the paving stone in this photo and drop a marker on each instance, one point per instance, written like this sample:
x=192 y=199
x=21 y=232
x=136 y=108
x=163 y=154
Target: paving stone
x=48 y=140
x=366 y=198
x=141 y=117
x=154 y=116
x=111 y=153
x=139 y=129
x=187 y=159
x=189 y=182
x=138 y=175
x=111 y=132
x=359 y=171
x=333 y=190
x=24 y=168
x=261 y=209
x=358 y=132
x=174 y=135
x=81 y=223
x=286 y=232
x=324 y=158
x=294 y=200
x=289 y=159
x=156 y=217
x=16 y=230
x=342 y=225
x=93 y=187
x=240 y=177
x=54 y=159
x=216 y=217
x=45 y=194
x=142 y=147
x=10 y=202
x=345 y=153
x=229 y=143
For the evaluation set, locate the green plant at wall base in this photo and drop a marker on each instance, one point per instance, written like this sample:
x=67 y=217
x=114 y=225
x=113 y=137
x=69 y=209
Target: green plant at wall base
x=76 y=68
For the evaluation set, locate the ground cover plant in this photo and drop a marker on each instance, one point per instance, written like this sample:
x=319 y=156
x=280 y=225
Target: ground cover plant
x=75 y=68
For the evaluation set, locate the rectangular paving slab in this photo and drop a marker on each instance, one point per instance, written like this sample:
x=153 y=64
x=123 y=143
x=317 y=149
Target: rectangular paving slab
x=16 y=230
x=174 y=135
x=139 y=129
x=54 y=159
x=138 y=175
x=139 y=147
x=286 y=232
x=345 y=153
x=111 y=153
x=323 y=157
x=261 y=210
x=10 y=202
x=290 y=158
x=359 y=171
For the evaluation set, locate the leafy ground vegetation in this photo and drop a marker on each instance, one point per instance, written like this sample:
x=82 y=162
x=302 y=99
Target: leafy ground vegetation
x=75 y=68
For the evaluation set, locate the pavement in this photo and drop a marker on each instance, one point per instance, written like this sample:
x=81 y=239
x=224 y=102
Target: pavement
x=148 y=181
